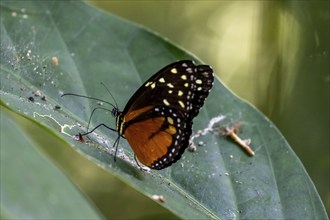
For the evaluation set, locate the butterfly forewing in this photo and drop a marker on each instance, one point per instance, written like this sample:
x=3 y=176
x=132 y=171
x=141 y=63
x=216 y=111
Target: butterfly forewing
x=203 y=84
x=157 y=120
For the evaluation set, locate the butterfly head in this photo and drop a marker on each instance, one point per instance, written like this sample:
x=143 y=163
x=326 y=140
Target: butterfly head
x=115 y=112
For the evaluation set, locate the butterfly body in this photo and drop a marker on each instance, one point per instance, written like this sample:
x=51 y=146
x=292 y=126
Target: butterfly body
x=157 y=120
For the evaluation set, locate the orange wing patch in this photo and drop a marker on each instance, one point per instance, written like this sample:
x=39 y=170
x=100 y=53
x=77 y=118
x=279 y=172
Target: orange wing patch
x=149 y=140
x=133 y=114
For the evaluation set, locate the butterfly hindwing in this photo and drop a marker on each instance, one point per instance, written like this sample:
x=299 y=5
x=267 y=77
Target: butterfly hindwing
x=167 y=136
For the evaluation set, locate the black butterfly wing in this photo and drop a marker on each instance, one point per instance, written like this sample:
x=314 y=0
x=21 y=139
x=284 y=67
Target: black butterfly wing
x=181 y=85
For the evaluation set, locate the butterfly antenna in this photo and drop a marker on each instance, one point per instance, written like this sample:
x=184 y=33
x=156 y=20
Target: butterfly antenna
x=110 y=94
x=88 y=97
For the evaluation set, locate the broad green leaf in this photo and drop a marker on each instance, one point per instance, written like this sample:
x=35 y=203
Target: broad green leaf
x=217 y=181
x=31 y=186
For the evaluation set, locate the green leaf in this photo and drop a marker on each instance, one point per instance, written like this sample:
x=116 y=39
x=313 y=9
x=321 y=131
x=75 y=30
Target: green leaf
x=217 y=181
x=31 y=186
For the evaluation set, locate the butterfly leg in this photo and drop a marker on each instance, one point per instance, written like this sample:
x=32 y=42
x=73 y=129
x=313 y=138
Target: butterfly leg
x=91 y=116
x=137 y=162
x=80 y=135
x=104 y=125
x=116 y=144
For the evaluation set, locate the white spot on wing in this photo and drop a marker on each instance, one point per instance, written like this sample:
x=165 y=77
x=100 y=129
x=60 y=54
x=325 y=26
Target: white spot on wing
x=170 y=85
x=181 y=104
x=166 y=102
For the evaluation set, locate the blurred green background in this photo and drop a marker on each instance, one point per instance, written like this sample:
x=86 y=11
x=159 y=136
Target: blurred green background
x=274 y=54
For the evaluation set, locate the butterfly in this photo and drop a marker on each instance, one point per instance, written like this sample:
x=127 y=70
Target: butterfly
x=157 y=120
